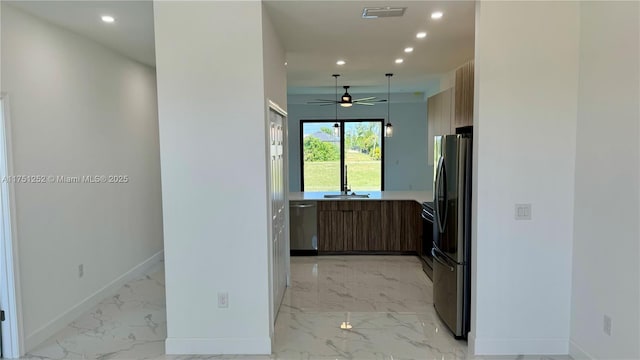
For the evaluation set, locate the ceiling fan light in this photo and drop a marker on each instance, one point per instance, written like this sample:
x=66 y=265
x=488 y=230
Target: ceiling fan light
x=346 y=99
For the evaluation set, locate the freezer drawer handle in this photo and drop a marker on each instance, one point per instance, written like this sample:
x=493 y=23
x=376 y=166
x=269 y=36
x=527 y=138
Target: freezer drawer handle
x=302 y=206
x=435 y=256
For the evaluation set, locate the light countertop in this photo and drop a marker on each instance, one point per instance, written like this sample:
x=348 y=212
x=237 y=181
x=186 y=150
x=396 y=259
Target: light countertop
x=419 y=196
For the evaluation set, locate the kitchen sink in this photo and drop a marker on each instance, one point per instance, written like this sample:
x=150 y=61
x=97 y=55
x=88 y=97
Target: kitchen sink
x=346 y=196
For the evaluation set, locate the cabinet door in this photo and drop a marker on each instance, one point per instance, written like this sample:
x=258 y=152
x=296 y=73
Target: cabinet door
x=330 y=225
x=410 y=230
x=431 y=128
x=445 y=112
x=369 y=236
x=350 y=226
x=366 y=220
x=330 y=231
x=401 y=226
x=464 y=95
x=440 y=113
x=362 y=224
x=391 y=224
x=349 y=230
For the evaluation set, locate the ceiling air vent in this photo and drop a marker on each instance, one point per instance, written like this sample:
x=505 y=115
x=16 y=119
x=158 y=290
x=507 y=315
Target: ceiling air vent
x=381 y=12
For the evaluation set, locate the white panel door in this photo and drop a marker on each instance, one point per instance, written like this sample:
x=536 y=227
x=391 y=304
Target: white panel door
x=278 y=213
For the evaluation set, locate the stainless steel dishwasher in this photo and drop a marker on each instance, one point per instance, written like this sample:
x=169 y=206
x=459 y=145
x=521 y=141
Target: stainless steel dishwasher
x=303 y=228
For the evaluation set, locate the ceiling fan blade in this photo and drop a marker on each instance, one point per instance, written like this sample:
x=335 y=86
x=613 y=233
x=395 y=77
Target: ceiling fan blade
x=365 y=99
x=364 y=103
x=322 y=102
x=375 y=101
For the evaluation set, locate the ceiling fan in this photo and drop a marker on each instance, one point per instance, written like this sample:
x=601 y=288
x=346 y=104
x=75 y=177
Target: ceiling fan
x=346 y=100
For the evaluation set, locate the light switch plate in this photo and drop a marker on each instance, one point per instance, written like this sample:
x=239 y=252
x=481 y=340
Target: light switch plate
x=523 y=212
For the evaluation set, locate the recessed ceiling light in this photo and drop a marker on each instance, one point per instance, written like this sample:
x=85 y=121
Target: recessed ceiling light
x=285 y=63
x=341 y=62
x=399 y=61
x=421 y=35
x=436 y=15
x=408 y=49
x=108 y=19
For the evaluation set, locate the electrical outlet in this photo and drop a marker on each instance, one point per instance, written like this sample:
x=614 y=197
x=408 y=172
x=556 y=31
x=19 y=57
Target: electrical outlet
x=223 y=300
x=523 y=212
x=606 y=325
x=80 y=270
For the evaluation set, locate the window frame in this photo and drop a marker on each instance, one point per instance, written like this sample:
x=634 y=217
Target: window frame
x=342 y=149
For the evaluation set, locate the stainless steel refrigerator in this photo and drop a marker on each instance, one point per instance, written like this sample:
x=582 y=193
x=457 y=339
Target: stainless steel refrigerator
x=452 y=231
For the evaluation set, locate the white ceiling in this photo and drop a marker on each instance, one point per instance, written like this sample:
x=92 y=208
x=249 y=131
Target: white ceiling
x=131 y=35
x=314 y=34
x=317 y=33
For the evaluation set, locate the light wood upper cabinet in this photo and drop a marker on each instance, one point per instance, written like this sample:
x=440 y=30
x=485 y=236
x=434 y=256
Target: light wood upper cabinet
x=451 y=108
x=440 y=111
x=464 y=96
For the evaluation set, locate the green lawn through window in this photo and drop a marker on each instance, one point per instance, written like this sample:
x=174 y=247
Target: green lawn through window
x=363 y=173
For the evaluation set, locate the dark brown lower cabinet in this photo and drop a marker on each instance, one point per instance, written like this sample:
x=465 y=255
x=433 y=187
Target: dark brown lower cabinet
x=368 y=226
x=401 y=225
x=330 y=229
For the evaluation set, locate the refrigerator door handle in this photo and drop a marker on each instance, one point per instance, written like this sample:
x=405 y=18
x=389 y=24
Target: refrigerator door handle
x=436 y=257
x=443 y=184
x=436 y=193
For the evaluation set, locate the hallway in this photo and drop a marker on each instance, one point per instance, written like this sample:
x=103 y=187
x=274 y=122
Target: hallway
x=386 y=299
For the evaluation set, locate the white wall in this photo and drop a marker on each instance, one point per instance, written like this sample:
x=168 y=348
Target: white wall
x=606 y=235
x=405 y=153
x=526 y=93
x=275 y=89
x=77 y=109
x=275 y=72
x=212 y=145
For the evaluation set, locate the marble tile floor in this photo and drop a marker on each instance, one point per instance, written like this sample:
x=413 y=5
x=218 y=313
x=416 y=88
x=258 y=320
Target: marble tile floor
x=387 y=300
x=129 y=325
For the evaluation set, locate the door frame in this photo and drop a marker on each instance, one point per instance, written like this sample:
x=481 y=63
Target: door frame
x=274 y=304
x=12 y=330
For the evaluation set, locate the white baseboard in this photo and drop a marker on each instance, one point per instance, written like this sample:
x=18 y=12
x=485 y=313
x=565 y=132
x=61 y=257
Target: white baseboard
x=214 y=346
x=471 y=343
x=483 y=346
x=578 y=353
x=43 y=333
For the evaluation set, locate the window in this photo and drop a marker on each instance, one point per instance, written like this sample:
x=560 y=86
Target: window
x=324 y=154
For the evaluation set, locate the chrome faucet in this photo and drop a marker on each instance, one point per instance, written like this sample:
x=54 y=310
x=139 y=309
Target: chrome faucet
x=345 y=186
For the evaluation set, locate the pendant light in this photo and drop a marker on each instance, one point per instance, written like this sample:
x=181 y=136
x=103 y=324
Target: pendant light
x=336 y=126
x=388 y=128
